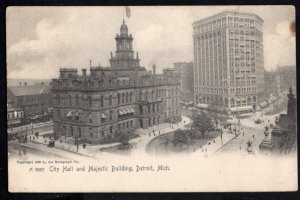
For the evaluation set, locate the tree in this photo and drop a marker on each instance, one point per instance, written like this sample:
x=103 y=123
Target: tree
x=122 y=137
x=201 y=123
x=180 y=137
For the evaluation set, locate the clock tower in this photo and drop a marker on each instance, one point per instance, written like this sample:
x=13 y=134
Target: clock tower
x=124 y=54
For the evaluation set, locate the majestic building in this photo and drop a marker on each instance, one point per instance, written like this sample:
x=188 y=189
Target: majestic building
x=187 y=80
x=123 y=96
x=228 y=61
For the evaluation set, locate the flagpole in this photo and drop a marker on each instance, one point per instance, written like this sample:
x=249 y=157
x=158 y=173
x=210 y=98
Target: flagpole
x=123 y=14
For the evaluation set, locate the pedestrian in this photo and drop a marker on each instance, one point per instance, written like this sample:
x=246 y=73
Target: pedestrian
x=153 y=131
x=240 y=147
x=159 y=132
x=30 y=137
x=214 y=141
x=206 y=149
x=154 y=134
x=243 y=133
x=194 y=149
x=44 y=136
x=33 y=137
x=253 y=136
x=149 y=134
x=60 y=141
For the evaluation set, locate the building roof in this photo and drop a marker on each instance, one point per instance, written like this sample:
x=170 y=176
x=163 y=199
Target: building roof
x=224 y=13
x=29 y=90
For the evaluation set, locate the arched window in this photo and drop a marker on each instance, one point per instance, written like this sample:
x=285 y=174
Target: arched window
x=70 y=100
x=58 y=99
x=130 y=97
x=119 y=98
x=123 y=97
x=90 y=101
x=100 y=83
x=76 y=100
x=110 y=115
x=110 y=100
x=126 y=97
x=79 y=132
x=71 y=131
x=101 y=101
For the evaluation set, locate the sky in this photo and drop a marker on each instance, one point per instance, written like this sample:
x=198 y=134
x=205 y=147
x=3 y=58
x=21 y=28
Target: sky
x=40 y=40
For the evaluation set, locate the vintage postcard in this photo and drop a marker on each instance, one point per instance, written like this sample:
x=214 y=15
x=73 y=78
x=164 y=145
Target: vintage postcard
x=151 y=99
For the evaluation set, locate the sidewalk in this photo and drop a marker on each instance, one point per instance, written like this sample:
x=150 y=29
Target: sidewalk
x=139 y=143
x=215 y=144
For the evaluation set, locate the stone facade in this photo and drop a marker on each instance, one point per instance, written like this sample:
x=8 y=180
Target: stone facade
x=187 y=80
x=123 y=96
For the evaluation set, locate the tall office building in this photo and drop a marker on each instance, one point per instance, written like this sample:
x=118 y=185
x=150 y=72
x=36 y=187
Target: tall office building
x=228 y=62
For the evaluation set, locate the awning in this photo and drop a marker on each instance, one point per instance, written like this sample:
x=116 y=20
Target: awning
x=121 y=112
x=242 y=108
x=202 y=105
x=128 y=110
x=103 y=116
x=124 y=111
x=69 y=114
x=132 y=110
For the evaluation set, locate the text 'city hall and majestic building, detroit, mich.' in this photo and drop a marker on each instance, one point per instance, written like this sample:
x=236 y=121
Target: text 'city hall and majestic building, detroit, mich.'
x=122 y=96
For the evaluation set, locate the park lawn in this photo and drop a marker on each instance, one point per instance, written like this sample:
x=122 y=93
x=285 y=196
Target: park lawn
x=159 y=146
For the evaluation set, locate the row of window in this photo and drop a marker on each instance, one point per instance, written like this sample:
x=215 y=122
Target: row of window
x=14 y=115
x=230 y=21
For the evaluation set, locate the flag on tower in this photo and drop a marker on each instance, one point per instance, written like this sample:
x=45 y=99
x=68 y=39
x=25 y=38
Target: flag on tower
x=127 y=11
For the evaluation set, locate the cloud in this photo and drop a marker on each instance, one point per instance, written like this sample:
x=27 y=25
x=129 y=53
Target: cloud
x=70 y=37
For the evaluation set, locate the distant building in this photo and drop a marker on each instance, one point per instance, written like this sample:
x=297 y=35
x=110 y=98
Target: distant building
x=92 y=107
x=228 y=62
x=32 y=100
x=272 y=84
x=187 y=80
x=14 y=116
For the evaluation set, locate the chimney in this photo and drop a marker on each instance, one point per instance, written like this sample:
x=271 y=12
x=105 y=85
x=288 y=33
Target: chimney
x=154 y=69
x=84 y=72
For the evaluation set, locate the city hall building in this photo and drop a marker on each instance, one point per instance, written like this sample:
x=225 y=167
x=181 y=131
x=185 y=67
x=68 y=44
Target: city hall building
x=123 y=96
x=228 y=62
